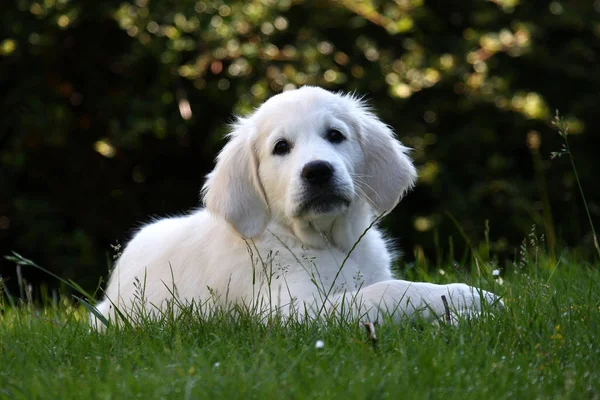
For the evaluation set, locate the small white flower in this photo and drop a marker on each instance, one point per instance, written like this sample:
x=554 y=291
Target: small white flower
x=496 y=273
x=217 y=364
x=442 y=272
x=319 y=344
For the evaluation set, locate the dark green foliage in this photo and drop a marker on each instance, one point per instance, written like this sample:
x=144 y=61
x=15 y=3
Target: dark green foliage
x=94 y=136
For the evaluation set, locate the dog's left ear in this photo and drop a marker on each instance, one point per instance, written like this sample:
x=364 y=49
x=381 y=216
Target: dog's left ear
x=233 y=189
x=389 y=172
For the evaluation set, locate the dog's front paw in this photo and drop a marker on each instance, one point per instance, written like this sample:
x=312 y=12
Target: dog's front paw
x=464 y=301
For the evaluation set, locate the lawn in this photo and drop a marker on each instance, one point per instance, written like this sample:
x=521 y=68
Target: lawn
x=544 y=345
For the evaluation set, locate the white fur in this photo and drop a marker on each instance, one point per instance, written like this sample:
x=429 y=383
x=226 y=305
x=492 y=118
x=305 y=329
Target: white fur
x=254 y=244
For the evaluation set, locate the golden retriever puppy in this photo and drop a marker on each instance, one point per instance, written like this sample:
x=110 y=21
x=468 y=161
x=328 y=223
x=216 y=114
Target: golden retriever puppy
x=288 y=224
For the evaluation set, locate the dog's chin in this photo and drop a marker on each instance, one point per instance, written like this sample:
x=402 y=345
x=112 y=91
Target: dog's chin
x=322 y=205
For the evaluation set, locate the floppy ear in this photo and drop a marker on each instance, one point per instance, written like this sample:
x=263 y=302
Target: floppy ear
x=233 y=189
x=389 y=171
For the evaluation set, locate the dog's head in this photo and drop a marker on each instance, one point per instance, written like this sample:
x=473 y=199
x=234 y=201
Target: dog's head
x=306 y=154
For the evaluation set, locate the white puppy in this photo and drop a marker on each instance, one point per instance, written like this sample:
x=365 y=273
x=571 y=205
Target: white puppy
x=288 y=221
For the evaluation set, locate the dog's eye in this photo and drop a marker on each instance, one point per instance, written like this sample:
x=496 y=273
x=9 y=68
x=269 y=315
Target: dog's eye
x=281 y=147
x=335 y=136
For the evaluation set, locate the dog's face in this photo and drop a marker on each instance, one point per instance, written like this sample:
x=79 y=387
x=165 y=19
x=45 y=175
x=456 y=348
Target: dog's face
x=306 y=154
x=309 y=156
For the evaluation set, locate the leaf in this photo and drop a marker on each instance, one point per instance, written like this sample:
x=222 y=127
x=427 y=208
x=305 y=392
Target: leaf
x=94 y=310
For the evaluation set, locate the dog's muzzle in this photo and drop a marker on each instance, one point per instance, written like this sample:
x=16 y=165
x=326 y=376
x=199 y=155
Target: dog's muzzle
x=321 y=195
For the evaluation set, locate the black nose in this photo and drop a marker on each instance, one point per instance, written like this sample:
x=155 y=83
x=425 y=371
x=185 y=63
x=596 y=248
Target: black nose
x=317 y=172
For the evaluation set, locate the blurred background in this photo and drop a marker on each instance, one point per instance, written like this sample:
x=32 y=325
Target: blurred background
x=112 y=112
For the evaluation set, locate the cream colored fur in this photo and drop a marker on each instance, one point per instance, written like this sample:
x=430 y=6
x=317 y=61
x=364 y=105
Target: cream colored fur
x=255 y=245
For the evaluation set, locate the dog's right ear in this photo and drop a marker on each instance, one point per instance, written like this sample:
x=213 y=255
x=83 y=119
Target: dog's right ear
x=233 y=189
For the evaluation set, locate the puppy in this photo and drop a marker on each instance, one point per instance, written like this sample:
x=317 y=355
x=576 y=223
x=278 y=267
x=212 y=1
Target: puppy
x=289 y=224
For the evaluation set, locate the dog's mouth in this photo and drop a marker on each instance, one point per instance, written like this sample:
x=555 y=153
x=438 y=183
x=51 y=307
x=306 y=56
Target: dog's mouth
x=323 y=203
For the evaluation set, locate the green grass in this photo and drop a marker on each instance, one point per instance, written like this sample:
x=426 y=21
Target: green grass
x=544 y=345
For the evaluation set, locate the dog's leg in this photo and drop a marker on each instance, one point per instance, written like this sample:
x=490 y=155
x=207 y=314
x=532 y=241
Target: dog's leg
x=403 y=300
